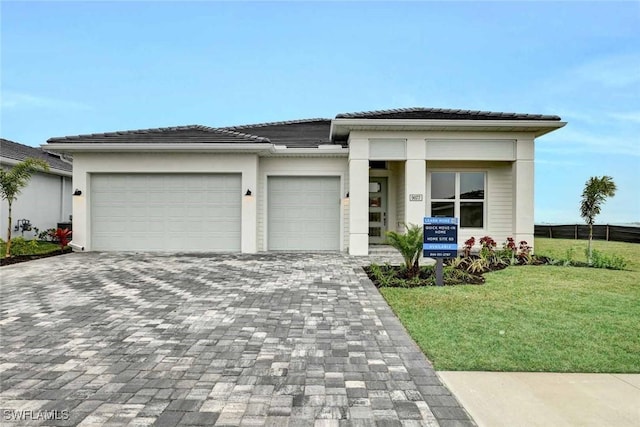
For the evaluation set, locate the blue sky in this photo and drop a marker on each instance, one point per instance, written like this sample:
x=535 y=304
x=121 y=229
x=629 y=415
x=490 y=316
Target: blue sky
x=83 y=67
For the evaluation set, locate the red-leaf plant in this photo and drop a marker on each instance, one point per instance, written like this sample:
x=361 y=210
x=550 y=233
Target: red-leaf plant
x=488 y=245
x=510 y=245
x=62 y=236
x=468 y=244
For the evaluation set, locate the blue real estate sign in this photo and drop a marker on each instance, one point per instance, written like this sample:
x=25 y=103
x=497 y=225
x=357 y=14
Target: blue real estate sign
x=440 y=237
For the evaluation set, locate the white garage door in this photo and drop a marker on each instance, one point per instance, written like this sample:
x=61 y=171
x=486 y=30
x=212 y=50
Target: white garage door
x=165 y=212
x=303 y=213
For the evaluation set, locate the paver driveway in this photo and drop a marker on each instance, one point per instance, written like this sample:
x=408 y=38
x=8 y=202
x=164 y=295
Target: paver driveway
x=273 y=339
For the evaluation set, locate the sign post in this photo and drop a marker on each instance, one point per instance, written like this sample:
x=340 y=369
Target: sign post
x=440 y=242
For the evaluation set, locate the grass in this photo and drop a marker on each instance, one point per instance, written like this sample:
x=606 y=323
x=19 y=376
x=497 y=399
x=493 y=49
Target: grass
x=557 y=248
x=41 y=248
x=532 y=318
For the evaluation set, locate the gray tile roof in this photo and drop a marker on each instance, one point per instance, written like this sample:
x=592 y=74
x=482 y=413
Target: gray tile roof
x=307 y=133
x=176 y=134
x=442 y=114
x=16 y=151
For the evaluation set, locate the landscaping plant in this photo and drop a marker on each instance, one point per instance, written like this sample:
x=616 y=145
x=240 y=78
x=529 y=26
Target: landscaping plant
x=12 y=182
x=468 y=245
x=596 y=190
x=409 y=245
x=62 y=236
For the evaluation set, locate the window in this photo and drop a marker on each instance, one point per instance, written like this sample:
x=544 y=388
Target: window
x=459 y=194
x=377 y=164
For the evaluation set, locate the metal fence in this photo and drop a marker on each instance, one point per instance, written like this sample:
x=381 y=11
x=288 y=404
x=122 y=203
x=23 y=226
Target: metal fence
x=616 y=233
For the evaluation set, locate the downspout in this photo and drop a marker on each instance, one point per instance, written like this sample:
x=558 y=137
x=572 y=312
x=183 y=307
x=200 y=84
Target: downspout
x=76 y=247
x=61 y=216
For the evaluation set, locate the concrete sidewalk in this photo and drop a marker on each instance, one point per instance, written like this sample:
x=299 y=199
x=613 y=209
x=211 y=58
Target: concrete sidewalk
x=547 y=399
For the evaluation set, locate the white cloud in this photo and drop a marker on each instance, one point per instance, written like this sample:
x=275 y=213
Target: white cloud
x=16 y=100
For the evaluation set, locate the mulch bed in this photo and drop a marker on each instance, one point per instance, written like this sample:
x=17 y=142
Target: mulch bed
x=459 y=276
x=15 y=259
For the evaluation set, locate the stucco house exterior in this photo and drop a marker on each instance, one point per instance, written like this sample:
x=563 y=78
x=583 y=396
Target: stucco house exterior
x=316 y=184
x=46 y=200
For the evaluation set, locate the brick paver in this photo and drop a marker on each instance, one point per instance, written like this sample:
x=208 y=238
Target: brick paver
x=231 y=340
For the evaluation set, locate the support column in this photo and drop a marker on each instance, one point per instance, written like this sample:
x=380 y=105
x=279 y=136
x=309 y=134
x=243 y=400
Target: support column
x=358 y=195
x=415 y=187
x=415 y=181
x=358 y=207
x=523 y=191
x=249 y=231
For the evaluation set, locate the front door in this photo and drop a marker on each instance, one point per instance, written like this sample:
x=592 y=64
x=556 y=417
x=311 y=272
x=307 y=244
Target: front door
x=377 y=210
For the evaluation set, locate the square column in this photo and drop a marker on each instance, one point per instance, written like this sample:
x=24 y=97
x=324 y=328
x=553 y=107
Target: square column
x=249 y=231
x=415 y=189
x=358 y=207
x=523 y=191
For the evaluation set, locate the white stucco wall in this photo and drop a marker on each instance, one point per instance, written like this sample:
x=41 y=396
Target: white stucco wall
x=45 y=201
x=499 y=193
x=87 y=163
x=506 y=157
x=301 y=166
x=507 y=160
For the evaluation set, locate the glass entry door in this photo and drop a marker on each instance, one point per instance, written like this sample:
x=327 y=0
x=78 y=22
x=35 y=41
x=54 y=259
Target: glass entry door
x=377 y=210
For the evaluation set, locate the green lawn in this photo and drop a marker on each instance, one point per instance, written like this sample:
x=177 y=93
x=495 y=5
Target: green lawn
x=557 y=248
x=40 y=249
x=532 y=318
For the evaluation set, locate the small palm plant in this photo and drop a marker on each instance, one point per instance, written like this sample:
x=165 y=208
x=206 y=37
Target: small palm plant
x=596 y=190
x=12 y=182
x=409 y=244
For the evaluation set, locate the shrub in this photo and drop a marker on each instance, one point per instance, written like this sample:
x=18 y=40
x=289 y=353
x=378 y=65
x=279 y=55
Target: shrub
x=62 y=236
x=509 y=245
x=468 y=245
x=47 y=235
x=409 y=245
x=20 y=246
x=611 y=262
x=478 y=265
x=454 y=276
x=488 y=246
x=524 y=253
x=384 y=276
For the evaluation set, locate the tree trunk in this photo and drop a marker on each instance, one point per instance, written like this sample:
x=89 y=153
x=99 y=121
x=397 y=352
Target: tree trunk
x=7 y=253
x=590 y=238
x=415 y=269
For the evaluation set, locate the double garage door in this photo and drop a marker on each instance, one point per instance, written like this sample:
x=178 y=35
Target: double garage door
x=202 y=212
x=166 y=212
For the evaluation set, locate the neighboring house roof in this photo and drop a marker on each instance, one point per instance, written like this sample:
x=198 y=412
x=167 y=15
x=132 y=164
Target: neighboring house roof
x=294 y=133
x=442 y=114
x=15 y=151
x=176 y=134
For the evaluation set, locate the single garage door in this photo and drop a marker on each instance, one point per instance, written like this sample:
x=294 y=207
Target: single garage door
x=303 y=213
x=165 y=212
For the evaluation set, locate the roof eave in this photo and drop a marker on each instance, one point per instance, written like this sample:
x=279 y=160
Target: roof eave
x=80 y=147
x=52 y=170
x=337 y=151
x=342 y=127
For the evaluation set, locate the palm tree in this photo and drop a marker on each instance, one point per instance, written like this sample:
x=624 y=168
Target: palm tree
x=410 y=246
x=12 y=181
x=596 y=190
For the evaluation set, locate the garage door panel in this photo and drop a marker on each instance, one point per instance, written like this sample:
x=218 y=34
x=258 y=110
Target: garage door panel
x=160 y=212
x=303 y=213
